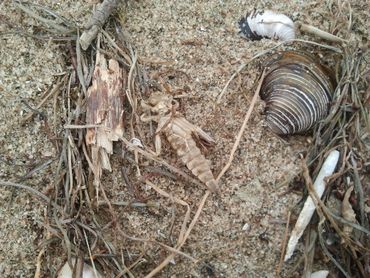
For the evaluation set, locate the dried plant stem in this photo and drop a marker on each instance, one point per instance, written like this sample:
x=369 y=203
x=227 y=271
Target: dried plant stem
x=69 y=126
x=309 y=252
x=57 y=27
x=90 y=255
x=171 y=249
x=324 y=214
x=240 y=134
x=28 y=188
x=320 y=33
x=161 y=161
x=241 y=67
x=360 y=192
x=283 y=246
x=178 y=201
x=38 y=263
x=96 y=22
x=181 y=243
x=53 y=92
x=131 y=204
x=79 y=69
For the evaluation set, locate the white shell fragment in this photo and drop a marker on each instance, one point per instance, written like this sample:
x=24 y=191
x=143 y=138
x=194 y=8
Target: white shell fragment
x=320 y=274
x=246 y=227
x=267 y=24
x=305 y=216
x=136 y=142
x=87 y=272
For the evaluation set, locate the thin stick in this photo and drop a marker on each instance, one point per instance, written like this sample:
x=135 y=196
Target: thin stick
x=191 y=226
x=359 y=191
x=52 y=92
x=169 y=248
x=283 y=246
x=178 y=201
x=51 y=23
x=131 y=204
x=241 y=67
x=28 y=188
x=70 y=126
x=161 y=161
x=96 y=22
x=79 y=70
x=38 y=264
x=90 y=255
x=240 y=134
x=42 y=251
x=320 y=33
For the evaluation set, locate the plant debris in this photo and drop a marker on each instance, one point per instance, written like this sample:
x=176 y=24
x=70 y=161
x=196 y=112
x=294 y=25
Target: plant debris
x=111 y=221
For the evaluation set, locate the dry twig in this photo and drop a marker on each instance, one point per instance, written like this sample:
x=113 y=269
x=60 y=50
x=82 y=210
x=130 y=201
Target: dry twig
x=240 y=133
x=96 y=22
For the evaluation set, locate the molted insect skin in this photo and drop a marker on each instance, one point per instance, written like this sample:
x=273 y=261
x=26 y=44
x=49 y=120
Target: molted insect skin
x=297 y=91
x=266 y=24
x=179 y=133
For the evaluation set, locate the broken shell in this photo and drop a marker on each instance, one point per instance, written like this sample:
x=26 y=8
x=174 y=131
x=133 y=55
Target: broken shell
x=87 y=272
x=297 y=90
x=267 y=24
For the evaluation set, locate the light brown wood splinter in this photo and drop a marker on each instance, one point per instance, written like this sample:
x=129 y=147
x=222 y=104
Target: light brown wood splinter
x=105 y=109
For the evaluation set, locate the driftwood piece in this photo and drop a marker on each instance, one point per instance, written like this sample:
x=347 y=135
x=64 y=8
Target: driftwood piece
x=105 y=109
x=97 y=21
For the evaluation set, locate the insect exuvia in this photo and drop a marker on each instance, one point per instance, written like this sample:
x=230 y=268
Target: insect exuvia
x=297 y=90
x=260 y=24
x=180 y=133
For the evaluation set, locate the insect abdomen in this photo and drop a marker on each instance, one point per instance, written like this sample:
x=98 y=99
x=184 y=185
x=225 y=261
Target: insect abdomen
x=191 y=156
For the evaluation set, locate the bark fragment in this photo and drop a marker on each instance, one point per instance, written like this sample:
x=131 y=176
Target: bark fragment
x=105 y=108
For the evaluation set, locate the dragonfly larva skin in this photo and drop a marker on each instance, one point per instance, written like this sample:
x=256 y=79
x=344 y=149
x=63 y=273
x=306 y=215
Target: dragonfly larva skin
x=180 y=134
x=297 y=90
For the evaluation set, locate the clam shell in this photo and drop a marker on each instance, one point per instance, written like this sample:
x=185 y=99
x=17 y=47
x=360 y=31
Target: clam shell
x=297 y=90
x=260 y=24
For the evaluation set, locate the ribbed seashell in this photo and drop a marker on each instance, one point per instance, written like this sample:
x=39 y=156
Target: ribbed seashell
x=297 y=90
x=260 y=24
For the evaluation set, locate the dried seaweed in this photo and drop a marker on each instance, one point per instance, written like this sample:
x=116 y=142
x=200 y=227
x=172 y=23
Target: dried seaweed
x=346 y=129
x=76 y=218
x=76 y=221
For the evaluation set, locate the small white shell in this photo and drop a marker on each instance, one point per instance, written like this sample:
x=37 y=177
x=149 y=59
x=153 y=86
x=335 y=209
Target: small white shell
x=87 y=272
x=320 y=274
x=267 y=24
